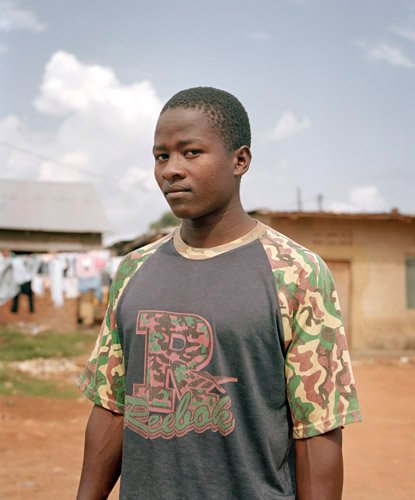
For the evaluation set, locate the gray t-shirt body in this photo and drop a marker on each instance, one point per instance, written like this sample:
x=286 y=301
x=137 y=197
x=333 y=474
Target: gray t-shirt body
x=218 y=359
x=206 y=410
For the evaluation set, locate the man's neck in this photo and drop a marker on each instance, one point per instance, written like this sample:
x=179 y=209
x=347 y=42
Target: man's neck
x=215 y=231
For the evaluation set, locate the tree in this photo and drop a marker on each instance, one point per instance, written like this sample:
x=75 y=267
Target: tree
x=167 y=219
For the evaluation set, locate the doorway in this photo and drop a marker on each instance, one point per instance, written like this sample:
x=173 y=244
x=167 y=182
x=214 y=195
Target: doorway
x=341 y=271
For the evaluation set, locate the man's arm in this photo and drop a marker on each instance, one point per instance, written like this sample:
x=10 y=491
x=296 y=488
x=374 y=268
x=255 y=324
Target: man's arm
x=102 y=454
x=319 y=466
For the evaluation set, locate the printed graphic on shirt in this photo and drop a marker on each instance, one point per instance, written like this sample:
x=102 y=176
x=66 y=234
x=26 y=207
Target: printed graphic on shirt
x=177 y=395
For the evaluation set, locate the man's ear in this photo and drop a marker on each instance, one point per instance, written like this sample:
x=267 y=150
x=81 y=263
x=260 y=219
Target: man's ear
x=242 y=158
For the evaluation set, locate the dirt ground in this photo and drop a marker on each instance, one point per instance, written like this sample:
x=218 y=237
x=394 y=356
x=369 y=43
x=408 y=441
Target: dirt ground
x=41 y=439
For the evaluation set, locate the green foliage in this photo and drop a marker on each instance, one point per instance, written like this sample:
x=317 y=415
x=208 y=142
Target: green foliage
x=18 y=346
x=166 y=220
x=13 y=383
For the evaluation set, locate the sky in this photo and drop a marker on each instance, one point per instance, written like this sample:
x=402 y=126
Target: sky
x=328 y=86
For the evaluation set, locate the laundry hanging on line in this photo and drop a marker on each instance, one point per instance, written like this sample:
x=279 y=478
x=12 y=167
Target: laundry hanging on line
x=65 y=275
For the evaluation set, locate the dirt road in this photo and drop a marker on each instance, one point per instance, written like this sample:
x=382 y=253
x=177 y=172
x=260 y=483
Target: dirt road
x=41 y=440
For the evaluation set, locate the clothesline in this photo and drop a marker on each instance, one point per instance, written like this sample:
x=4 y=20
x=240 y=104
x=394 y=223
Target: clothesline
x=66 y=275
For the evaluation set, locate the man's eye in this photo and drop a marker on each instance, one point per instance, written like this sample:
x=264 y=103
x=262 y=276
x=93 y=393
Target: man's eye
x=161 y=157
x=192 y=152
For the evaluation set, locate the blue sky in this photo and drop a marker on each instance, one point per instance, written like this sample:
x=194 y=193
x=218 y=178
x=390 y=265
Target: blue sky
x=328 y=85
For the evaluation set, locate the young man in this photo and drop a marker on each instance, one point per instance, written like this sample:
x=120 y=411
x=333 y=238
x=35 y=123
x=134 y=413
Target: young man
x=221 y=370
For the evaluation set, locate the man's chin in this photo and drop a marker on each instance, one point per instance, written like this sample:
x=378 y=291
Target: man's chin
x=181 y=212
x=184 y=215
x=188 y=213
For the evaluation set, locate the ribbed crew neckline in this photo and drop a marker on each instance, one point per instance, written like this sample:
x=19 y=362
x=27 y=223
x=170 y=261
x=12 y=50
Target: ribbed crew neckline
x=193 y=253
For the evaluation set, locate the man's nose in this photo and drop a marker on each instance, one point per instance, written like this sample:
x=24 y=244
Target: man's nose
x=173 y=168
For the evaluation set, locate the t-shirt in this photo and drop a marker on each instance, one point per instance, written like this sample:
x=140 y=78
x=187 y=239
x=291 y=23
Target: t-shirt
x=219 y=358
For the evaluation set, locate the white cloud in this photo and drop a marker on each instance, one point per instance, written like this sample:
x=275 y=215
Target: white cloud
x=104 y=127
x=69 y=86
x=78 y=160
x=388 y=53
x=3 y=49
x=260 y=35
x=408 y=33
x=14 y=164
x=361 y=199
x=289 y=125
x=13 y=18
x=137 y=178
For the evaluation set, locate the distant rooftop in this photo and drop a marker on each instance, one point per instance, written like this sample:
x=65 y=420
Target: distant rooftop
x=51 y=206
x=393 y=215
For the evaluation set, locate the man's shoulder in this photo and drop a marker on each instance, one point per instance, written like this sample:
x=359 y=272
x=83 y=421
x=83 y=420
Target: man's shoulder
x=143 y=253
x=131 y=262
x=285 y=253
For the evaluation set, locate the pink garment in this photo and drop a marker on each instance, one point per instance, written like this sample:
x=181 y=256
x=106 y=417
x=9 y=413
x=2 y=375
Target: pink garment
x=86 y=266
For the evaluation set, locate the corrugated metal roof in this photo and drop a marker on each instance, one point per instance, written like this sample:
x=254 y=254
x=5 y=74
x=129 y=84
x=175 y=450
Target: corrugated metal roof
x=51 y=206
x=393 y=215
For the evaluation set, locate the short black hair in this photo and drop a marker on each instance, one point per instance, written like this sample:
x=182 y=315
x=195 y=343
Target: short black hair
x=223 y=109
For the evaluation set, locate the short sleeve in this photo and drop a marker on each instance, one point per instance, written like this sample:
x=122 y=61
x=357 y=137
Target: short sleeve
x=320 y=384
x=103 y=379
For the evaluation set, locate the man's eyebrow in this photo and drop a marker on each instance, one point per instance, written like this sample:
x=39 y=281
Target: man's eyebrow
x=184 y=142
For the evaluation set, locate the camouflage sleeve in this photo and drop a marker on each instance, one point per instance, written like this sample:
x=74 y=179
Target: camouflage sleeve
x=320 y=384
x=102 y=380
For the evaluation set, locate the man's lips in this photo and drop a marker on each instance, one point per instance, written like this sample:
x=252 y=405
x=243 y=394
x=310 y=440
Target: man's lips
x=175 y=191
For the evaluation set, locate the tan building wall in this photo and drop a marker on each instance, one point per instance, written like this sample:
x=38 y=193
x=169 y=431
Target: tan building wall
x=367 y=255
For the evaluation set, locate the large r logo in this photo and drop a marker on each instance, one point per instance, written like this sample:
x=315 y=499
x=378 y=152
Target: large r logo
x=177 y=348
x=174 y=345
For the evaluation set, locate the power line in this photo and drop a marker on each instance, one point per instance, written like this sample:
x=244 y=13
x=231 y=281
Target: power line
x=39 y=156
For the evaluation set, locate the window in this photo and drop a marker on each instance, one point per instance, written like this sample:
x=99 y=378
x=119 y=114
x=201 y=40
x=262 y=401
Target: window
x=410 y=282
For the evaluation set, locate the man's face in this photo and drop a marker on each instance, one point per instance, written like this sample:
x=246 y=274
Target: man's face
x=193 y=167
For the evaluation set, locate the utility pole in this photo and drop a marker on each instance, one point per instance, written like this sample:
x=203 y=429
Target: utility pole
x=320 y=202
x=299 y=200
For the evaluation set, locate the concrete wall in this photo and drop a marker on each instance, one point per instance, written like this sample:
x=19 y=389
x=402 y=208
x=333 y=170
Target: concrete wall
x=375 y=252
x=43 y=241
